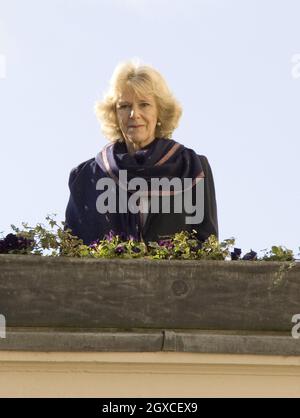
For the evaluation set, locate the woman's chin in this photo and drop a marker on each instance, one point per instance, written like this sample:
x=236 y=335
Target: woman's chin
x=136 y=139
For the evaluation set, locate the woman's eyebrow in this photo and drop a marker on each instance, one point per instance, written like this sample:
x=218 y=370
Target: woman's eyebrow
x=127 y=102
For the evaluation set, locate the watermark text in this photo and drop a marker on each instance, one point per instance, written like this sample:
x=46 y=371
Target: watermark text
x=2 y=326
x=187 y=196
x=296 y=328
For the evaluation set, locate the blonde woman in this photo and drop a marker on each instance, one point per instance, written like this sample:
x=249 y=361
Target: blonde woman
x=142 y=184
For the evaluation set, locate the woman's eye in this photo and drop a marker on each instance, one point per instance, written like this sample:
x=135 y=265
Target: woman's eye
x=144 y=104
x=123 y=106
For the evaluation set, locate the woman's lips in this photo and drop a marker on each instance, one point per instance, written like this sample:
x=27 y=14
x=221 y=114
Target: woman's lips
x=135 y=126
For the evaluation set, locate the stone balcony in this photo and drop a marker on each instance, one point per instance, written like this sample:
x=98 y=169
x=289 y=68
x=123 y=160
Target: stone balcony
x=151 y=312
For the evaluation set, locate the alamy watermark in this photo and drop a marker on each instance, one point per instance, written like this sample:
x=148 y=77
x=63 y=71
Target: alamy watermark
x=2 y=66
x=295 y=61
x=158 y=196
x=2 y=326
x=296 y=328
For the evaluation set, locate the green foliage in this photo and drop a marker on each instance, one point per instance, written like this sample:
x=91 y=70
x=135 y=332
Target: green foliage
x=184 y=245
x=115 y=246
x=278 y=254
x=212 y=249
x=55 y=240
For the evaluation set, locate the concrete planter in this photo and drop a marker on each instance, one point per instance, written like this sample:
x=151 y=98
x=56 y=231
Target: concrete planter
x=64 y=292
x=151 y=298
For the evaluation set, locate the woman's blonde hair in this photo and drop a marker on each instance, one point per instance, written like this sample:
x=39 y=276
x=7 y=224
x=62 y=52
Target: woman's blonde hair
x=143 y=79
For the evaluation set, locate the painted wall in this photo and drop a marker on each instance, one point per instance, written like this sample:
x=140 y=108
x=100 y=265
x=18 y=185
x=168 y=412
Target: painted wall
x=147 y=375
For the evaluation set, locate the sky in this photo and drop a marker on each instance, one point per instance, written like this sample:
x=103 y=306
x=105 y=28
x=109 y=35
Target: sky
x=234 y=65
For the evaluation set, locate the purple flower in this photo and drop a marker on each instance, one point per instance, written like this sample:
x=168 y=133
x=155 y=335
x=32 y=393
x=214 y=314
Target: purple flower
x=235 y=255
x=250 y=256
x=94 y=244
x=166 y=243
x=2 y=247
x=13 y=242
x=237 y=251
x=119 y=249
x=136 y=250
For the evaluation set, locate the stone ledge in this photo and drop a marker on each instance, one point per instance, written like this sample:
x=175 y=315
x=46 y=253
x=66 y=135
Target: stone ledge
x=89 y=305
x=192 y=341
x=125 y=294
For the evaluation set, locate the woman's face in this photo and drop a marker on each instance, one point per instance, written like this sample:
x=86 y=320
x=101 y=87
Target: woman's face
x=137 y=117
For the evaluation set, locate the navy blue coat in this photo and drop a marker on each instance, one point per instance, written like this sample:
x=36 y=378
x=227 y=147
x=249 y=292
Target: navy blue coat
x=88 y=224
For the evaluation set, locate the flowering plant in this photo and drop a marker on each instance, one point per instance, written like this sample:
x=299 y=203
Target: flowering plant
x=117 y=246
x=59 y=241
x=184 y=245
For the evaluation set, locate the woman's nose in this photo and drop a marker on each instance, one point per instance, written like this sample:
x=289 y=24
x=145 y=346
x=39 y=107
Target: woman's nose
x=133 y=112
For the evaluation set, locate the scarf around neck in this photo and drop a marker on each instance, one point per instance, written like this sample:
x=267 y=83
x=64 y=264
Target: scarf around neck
x=162 y=158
